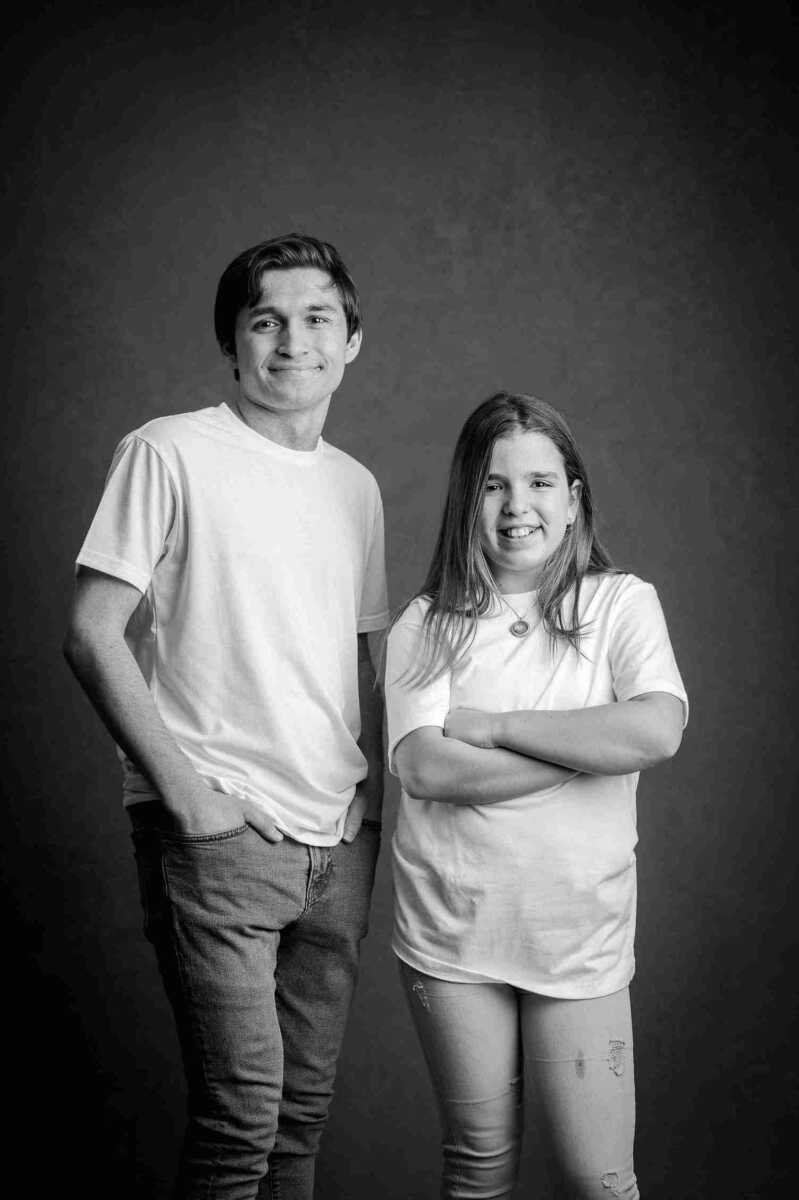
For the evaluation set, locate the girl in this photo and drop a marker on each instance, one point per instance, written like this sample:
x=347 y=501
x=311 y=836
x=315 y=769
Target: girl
x=527 y=685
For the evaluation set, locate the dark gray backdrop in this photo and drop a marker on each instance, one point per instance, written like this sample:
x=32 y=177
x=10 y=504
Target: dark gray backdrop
x=596 y=206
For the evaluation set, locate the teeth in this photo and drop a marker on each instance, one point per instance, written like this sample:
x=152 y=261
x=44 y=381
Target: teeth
x=519 y=531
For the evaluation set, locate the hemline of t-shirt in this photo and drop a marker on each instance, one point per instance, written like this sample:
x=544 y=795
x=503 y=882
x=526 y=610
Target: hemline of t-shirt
x=308 y=837
x=418 y=962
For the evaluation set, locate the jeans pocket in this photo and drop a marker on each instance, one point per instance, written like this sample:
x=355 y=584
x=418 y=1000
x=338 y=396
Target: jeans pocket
x=151 y=816
x=200 y=838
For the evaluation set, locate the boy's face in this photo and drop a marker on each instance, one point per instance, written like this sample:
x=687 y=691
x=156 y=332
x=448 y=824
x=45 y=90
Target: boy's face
x=292 y=345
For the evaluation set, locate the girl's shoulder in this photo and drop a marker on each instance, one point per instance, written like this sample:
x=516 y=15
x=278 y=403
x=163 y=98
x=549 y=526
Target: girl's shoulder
x=619 y=598
x=609 y=586
x=413 y=614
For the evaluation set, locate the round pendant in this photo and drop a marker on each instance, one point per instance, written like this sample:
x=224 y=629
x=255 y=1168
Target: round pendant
x=519 y=628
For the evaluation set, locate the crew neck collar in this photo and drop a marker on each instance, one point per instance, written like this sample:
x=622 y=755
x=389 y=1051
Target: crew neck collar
x=265 y=444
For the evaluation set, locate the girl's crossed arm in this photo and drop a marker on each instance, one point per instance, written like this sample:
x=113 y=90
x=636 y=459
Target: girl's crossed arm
x=432 y=766
x=607 y=739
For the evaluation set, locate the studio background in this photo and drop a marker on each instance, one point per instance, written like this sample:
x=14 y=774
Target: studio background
x=592 y=204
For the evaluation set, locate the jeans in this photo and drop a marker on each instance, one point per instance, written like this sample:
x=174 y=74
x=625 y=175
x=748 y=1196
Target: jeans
x=476 y=1037
x=257 y=944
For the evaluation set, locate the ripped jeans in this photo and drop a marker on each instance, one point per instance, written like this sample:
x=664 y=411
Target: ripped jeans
x=476 y=1038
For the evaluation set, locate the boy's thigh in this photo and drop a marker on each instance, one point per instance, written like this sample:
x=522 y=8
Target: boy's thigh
x=318 y=955
x=214 y=909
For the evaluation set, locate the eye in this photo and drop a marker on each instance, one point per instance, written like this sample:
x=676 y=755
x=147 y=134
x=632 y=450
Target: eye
x=541 y=483
x=266 y=323
x=318 y=320
x=493 y=487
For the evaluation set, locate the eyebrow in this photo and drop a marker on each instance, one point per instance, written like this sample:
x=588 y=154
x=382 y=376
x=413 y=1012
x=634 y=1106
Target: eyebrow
x=529 y=475
x=261 y=309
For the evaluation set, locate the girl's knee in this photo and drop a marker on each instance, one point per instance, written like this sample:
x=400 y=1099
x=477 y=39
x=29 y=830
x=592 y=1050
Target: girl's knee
x=481 y=1145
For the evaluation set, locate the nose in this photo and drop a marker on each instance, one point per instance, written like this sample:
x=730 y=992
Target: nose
x=517 y=501
x=292 y=341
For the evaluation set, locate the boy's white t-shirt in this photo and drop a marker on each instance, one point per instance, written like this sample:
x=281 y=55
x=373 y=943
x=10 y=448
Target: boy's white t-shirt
x=538 y=892
x=259 y=565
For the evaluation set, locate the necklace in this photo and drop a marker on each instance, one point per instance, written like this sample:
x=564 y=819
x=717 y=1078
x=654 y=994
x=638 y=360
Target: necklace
x=520 y=627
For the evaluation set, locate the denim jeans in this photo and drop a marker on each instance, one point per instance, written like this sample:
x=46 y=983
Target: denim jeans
x=476 y=1038
x=257 y=944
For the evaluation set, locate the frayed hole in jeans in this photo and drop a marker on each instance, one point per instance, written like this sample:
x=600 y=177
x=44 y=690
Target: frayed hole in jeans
x=616 y=1057
x=421 y=994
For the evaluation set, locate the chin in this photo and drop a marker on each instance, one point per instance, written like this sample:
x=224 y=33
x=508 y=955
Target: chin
x=521 y=562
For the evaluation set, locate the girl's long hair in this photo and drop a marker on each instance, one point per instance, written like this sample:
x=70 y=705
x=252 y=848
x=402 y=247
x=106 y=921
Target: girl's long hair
x=459 y=584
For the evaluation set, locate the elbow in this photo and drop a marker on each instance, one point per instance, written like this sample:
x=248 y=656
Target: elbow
x=77 y=647
x=418 y=781
x=671 y=741
x=71 y=647
x=659 y=730
x=670 y=731
x=421 y=774
x=424 y=767
x=661 y=746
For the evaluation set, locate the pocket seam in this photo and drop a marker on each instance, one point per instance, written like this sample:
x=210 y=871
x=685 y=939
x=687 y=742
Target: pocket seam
x=199 y=839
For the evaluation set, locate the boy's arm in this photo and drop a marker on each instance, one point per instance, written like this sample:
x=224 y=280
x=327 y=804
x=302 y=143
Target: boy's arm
x=98 y=654
x=368 y=799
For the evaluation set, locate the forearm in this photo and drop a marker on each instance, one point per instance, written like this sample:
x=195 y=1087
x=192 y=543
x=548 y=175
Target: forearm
x=370 y=741
x=488 y=776
x=432 y=767
x=609 y=739
x=110 y=676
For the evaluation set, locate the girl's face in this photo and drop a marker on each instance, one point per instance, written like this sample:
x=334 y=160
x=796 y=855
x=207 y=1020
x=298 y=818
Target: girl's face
x=526 y=507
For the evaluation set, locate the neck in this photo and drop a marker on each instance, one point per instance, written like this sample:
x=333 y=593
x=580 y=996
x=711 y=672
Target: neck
x=507 y=585
x=294 y=430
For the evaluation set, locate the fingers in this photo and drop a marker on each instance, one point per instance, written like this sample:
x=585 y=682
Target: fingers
x=268 y=831
x=355 y=815
x=258 y=820
x=352 y=827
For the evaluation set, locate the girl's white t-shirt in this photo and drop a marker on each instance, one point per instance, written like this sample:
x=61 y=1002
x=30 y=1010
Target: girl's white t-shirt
x=259 y=565
x=540 y=891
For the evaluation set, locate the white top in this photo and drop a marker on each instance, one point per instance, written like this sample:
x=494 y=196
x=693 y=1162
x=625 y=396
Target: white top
x=538 y=892
x=259 y=565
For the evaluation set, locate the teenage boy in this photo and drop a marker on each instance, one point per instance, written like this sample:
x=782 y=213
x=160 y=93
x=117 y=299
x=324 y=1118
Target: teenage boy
x=225 y=591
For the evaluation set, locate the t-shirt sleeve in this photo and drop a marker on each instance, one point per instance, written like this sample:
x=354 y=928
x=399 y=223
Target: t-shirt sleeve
x=133 y=520
x=641 y=656
x=374 y=597
x=409 y=707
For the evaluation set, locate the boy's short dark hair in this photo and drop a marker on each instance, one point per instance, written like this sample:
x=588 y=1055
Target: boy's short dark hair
x=240 y=284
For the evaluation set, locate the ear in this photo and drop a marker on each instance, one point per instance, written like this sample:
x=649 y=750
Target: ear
x=575 y=492
x=353 y=346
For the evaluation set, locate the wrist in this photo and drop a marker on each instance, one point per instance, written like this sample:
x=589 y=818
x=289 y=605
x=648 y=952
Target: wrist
x=180 y=795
